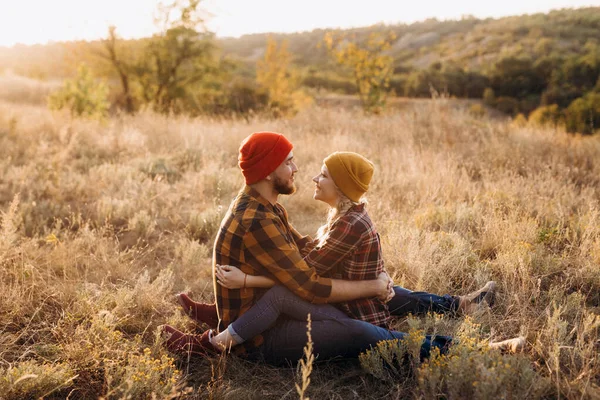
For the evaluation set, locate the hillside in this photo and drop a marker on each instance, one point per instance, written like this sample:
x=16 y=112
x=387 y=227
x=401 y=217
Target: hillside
x=470 y=42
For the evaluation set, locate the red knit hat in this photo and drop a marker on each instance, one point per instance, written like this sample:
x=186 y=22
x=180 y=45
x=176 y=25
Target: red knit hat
x=261 y=153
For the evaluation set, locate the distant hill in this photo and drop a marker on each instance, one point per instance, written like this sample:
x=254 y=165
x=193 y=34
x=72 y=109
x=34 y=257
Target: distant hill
x=469 y=42
x=549 y=62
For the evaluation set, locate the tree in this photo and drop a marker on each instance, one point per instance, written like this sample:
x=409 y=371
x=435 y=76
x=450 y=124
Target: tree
x=369 y=63
x=419 y=84
x=177 y=58
x=515 y=77
x=170 y=64
x=281 y=83
x=124 y=69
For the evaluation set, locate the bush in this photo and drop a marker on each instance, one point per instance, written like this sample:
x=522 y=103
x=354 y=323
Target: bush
x=470 y=370
x=29 y=379
x=507 y=105
x=583 y=114
x=243 y=98
x=336 y=84
x=520 y=120
x=546 y=115
x=145 y=376
x=489 y=97
x=83 y=96
x=477 y=110
x=471 y=373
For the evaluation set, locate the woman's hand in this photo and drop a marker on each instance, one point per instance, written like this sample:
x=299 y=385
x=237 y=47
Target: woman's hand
x=229 y=276
x=386 y=282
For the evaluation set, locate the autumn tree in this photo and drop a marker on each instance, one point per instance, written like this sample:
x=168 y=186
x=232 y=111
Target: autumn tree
x=275 y=75
x=369 y=63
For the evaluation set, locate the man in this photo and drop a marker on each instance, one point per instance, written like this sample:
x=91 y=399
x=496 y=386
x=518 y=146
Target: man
x=256 y=237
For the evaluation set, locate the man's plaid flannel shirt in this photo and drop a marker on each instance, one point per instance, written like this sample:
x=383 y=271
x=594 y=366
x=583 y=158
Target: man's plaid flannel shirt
x=256 y=237
x=352 y=251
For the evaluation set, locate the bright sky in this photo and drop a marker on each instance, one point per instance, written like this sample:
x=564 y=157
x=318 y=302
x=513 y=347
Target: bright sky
x=40 y=21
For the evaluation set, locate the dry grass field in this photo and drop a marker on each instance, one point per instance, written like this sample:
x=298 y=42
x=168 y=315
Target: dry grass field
x=104 y=222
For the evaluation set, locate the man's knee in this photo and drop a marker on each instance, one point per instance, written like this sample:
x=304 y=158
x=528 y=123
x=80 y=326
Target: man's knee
x=358 y=331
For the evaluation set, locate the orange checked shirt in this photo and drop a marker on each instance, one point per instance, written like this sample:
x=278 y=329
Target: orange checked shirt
x=256 y=237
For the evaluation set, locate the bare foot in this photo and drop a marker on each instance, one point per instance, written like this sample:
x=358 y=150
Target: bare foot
x=514 y=345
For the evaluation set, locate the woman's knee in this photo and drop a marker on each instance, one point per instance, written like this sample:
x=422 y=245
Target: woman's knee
x=400 y=291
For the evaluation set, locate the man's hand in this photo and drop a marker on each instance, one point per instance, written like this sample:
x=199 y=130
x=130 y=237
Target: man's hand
x=387 y=287
x=229 y=276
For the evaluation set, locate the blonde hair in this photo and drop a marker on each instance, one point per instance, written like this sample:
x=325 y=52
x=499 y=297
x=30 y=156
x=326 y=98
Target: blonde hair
x=342 y=207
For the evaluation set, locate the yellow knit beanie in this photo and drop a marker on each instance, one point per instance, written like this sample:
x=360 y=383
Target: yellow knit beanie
x=351 y=172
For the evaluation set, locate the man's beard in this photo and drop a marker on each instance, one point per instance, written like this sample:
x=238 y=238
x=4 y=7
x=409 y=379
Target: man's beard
x=282 y=187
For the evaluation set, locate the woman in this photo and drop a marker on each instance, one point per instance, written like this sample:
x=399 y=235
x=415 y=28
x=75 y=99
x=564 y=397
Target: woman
x=346 y=247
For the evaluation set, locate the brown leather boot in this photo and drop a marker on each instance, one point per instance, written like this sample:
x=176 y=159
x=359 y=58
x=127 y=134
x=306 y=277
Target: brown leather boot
x=181 y=343
x=199 y=312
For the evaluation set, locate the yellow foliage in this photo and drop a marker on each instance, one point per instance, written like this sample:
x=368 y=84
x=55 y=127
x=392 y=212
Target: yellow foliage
x=282 y=83
x=369 y=63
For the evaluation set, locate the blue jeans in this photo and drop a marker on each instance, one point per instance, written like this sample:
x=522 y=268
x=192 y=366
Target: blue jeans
x=334 y=333
x=417 y=303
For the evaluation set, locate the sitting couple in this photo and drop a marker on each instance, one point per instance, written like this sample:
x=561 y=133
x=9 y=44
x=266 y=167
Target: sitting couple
x=268 y=277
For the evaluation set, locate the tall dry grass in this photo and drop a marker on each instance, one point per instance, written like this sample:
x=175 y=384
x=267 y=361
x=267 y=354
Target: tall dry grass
x=103 y=222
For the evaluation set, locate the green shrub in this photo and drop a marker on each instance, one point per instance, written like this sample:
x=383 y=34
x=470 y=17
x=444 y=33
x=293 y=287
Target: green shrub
x=396 y=359
x=83 y=96
x=470 y=373
x=489 y=97
x=239 y=97
x=470 y=370
x=144 y=376
x=29 y=380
